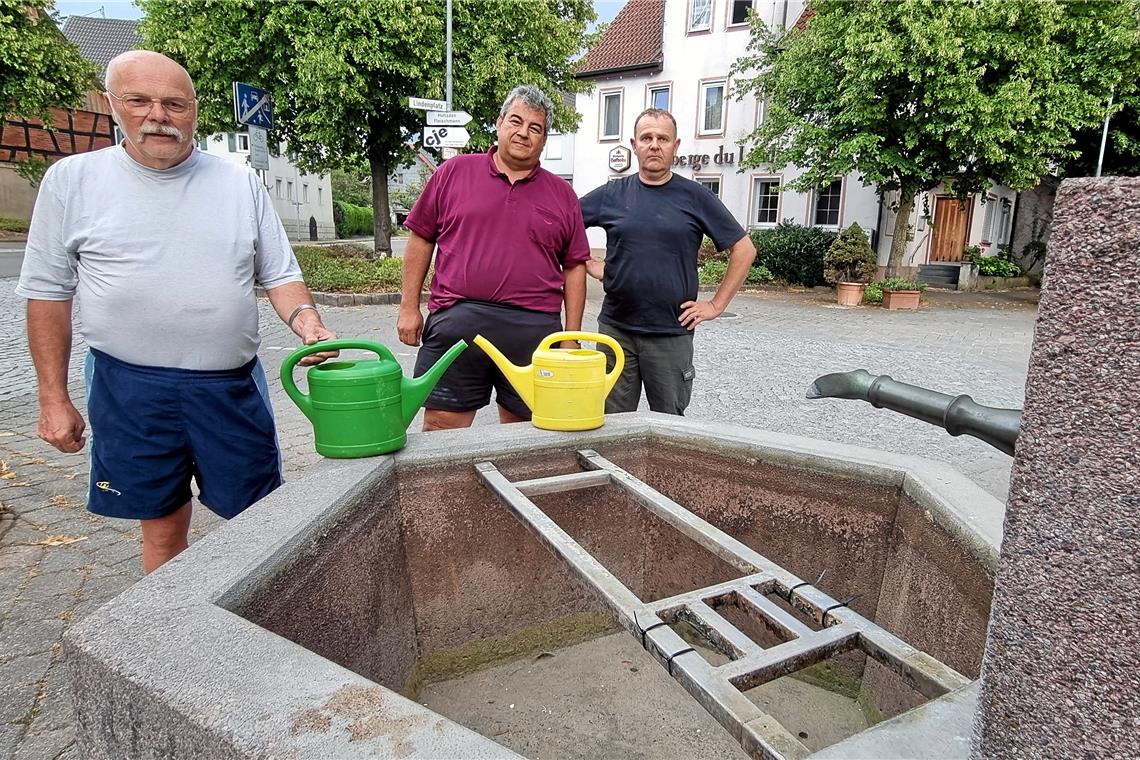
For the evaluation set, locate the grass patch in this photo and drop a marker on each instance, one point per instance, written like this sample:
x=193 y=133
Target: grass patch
x=13 y=225
x=348 y=269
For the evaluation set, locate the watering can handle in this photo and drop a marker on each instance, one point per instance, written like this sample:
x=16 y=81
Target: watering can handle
x=290 y=386
x=619 y=355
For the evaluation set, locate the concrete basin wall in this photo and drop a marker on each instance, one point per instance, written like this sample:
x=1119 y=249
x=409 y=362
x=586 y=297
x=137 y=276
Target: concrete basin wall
x=293 y=629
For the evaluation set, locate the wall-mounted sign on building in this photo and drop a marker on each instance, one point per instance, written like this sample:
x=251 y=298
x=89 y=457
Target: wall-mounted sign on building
x=619 y=158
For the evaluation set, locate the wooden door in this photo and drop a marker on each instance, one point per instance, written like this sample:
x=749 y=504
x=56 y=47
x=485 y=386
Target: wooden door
x=951 y=222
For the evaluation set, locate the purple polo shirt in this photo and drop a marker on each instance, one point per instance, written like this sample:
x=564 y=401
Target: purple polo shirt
x=497 y=241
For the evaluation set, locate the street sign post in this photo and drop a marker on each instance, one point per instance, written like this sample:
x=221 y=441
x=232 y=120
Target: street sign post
x=258 y=148
x=448 y=118
x=252 y=106
x=445 y=137
x=426 y=104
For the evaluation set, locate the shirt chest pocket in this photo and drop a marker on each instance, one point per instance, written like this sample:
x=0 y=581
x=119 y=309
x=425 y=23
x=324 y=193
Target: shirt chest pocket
x=545 y=230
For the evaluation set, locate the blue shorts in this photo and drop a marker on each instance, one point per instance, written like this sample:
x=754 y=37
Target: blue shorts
x=155 y=428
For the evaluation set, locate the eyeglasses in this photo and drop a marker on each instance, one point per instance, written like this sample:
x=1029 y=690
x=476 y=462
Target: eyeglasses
x=141 y=104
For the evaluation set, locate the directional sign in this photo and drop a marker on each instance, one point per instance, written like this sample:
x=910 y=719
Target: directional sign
x=447 y=118
x=424 y=104
x=253 y=106
x=445 y=137
x=258 y=148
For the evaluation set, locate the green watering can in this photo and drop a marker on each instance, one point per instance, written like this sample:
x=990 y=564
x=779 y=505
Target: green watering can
x=361 y=408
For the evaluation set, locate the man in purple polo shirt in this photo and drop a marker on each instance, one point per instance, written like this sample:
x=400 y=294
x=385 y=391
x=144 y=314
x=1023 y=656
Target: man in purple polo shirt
x=511 y=250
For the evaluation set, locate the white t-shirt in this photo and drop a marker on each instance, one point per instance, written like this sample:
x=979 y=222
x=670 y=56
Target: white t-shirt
x=163 y=262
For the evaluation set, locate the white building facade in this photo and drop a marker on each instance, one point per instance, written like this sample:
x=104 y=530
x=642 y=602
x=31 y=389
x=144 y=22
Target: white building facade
x=677 y=55
x=302 y=200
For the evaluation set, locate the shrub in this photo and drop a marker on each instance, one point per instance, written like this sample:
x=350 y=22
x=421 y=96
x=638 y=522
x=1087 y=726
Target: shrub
x=350 y=219
x=708 y=252
x=347 y=269
x=711 y=272
x=793 y=252
x=758 y=275
x=997 y=266
x=874 y=291
x=849 y=258
x=14 y=225
x=901 y=283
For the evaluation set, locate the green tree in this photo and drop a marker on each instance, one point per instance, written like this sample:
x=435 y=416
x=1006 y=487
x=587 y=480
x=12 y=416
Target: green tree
x=39 y=68
x=911 y=93
x=352 y=185
x=341 y=71
x=1121 y=152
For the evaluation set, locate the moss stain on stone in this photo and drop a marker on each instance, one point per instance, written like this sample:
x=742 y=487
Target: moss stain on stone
x=448 y=664
x=831 y=677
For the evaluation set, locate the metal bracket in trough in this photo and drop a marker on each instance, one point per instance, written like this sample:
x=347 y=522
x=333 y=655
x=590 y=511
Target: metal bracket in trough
x=720 y=689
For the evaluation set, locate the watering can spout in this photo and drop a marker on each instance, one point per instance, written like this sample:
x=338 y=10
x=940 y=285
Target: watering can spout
x=415 y=391
x=520 y=378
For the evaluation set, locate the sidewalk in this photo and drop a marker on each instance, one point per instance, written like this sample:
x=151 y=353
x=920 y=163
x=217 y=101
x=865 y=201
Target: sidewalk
x=58 y=562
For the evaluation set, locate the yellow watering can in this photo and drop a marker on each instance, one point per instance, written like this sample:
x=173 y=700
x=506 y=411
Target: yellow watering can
x=565 y=388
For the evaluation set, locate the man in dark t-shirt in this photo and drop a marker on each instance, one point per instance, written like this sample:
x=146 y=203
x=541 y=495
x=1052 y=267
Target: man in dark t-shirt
x=654 y=223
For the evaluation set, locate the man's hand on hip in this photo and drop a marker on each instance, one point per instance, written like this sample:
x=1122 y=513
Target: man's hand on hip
x=695 y=312
x=410 y=325
x=62 y=426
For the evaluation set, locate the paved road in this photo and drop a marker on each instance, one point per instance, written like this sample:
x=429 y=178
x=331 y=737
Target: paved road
x=11 y=256
x=58 y=562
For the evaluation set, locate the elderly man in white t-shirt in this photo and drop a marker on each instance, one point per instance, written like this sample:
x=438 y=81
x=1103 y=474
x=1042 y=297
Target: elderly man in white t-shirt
x=163 y=245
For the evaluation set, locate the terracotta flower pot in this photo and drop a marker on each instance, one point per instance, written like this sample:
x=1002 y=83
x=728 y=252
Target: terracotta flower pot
x=849 y=293
x=901 y=299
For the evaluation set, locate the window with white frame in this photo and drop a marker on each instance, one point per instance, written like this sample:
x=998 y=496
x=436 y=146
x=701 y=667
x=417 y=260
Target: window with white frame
x=1004 y=223
x=712 y=183
x=243 y=142
x=553 y=150
x=700 y=15
x=305 y=193
x=712 y=108
x=761 y=111
x=279 y=188
x=320 y=196
x=988 y=223
x=611 y=116
x=766 y=200
x=659 y=97
x=827 y=204
x=289 y=190
x=738 y=11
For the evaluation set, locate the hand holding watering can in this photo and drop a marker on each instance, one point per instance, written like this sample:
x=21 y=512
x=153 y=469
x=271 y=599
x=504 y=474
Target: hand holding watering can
x=361 y=408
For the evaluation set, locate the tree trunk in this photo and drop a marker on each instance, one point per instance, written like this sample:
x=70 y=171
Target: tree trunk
x=381 y=211
x=902 y=230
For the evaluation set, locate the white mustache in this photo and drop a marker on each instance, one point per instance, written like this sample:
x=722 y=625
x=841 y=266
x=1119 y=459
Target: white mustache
x=163 y=129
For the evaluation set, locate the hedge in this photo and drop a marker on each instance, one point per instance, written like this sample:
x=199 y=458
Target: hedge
x=351 y=220
x=793 y=252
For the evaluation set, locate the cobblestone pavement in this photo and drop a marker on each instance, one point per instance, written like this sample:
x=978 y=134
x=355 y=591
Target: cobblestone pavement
x=58 y=562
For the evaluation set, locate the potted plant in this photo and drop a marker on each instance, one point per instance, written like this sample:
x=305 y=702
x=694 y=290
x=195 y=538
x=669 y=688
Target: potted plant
x=900 y=293
x=848 y=264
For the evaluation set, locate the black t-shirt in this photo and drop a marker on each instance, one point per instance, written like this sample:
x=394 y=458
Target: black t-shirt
x=653 y=233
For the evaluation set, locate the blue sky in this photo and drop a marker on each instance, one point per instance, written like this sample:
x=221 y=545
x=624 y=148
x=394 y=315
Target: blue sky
x=606 y=9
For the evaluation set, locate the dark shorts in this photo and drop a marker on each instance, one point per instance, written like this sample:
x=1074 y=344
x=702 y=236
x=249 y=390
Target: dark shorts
x=467 y=384
x=153 y=429
x=663 y=364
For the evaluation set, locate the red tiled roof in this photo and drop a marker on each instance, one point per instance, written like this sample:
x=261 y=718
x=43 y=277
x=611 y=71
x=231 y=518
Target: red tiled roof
x=632 y=41
x=802 y=21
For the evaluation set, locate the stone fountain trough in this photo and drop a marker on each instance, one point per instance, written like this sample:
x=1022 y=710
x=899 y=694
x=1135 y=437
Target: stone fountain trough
x=394 y=607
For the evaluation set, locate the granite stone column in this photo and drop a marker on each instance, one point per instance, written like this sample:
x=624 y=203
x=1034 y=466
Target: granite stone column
x=1061 y=675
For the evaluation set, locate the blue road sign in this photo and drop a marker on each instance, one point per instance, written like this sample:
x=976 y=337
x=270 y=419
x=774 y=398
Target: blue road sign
x=252 y=106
